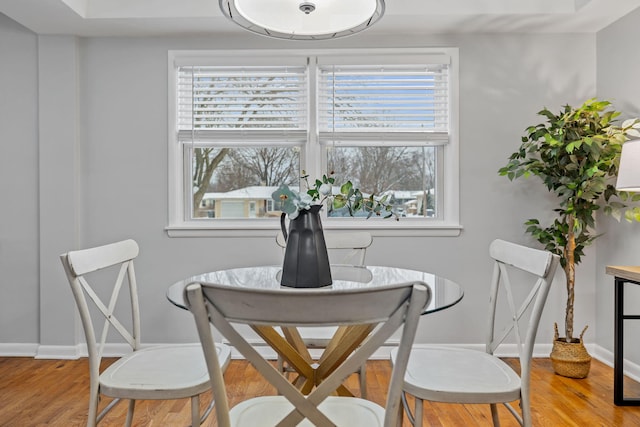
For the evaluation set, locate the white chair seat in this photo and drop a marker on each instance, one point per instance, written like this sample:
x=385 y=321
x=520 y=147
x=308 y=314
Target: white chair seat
x=160 y=372
x=266 y=411
x=449 y=374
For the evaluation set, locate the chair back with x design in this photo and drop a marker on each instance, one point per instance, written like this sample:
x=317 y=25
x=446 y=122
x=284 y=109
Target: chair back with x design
x=511 y=258
x=78 y=265
x=108 y=301
x=388 y=308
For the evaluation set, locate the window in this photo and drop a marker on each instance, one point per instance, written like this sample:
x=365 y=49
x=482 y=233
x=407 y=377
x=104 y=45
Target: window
x=241 y=124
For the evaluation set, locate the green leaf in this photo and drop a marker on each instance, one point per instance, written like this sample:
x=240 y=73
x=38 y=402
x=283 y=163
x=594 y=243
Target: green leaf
x=346 y=188
x=616 y=214
x=339 y=201
x=532 y=229
x=617 y=205
x=628 y=215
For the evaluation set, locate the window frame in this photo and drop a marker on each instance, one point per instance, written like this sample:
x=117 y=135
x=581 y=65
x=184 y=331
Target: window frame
x=446 y=224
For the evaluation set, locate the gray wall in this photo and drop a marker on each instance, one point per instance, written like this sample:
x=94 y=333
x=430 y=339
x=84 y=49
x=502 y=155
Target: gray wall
x=19 y=273
x=617 y=69
x=107 y=141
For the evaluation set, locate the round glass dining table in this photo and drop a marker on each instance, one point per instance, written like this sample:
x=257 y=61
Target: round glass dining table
x=289 y=344
x=444 y=292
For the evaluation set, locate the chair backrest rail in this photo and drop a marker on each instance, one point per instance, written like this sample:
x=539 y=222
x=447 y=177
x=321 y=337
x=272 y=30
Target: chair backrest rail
x=93 y=259
x=534 y=261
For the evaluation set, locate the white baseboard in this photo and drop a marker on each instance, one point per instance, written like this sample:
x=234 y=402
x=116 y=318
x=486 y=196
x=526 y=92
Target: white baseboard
x=115 y=350
x=68 y=352
x=63 y=352
x=18 y=350
x=632 y=370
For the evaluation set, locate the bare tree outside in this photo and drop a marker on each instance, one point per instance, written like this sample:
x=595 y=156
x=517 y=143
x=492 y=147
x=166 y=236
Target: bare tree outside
x=266 y=166
x=383 y=169
x=205 y=162
x=424 y=160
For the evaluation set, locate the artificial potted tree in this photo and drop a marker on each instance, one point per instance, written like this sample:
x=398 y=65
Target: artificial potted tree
x=575 y=153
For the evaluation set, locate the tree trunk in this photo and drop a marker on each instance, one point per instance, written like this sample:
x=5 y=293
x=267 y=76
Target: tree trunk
x=205 y=175
x=570 y=272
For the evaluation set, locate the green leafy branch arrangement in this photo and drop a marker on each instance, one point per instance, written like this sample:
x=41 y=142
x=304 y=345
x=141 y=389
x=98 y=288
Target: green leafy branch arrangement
x=322 y=190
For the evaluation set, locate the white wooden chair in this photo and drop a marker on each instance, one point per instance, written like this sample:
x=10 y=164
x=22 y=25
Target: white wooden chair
x=456 y=375
x=229 y=307
x=343 y=248
x=160 y=372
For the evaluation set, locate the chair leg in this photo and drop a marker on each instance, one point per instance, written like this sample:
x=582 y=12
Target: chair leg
x=494 y=415
x=207 y=411
x=282 y=367
x=92 y=418
x=525 y=408
x=362 y=373
x=419 y=410
x=132 y=406
x=407 y=410
x=195 y=411
x=399 y=420
x=280 y=364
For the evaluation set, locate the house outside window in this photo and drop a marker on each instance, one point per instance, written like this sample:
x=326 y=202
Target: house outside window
x=243 y=123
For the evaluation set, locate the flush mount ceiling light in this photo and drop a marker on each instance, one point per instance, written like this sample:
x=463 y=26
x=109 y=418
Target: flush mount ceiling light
x=304 y=20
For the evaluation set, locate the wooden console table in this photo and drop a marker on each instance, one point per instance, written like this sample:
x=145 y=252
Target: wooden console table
x=622 y=274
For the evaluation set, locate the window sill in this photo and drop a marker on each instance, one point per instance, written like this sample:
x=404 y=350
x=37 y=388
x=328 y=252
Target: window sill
x=387 y=228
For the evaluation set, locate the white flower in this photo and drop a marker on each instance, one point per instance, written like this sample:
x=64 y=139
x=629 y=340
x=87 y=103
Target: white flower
x=325 y=189
x=305 y=200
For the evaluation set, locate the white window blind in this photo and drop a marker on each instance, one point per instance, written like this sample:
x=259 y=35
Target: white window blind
x=385 y=104
x=243 y=103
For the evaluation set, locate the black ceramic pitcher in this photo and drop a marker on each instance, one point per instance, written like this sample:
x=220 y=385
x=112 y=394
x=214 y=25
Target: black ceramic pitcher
x=306 y=263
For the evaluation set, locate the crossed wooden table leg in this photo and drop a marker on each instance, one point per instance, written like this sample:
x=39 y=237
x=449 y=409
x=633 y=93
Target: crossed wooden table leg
x=310 y=373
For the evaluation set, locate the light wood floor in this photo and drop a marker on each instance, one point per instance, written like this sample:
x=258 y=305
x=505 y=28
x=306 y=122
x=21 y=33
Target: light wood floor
x=54 y=393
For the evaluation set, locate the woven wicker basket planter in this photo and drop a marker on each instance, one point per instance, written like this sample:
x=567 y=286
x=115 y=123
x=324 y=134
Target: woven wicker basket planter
x=570 y=359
